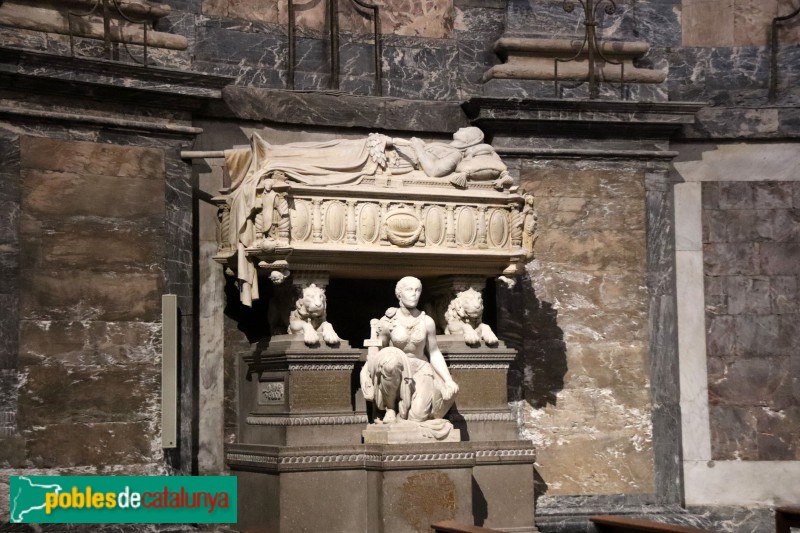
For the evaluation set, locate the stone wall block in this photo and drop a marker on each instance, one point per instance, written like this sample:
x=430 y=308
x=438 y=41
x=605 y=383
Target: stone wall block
x=653 y=22
x=622 y=291
x=91 y=343
x=707 y=23
x=474 y=59
x=780 y=259
x=547 y=209
x=783 y=295
x=609 y=454
x=605 y=250
x=79 y=295
x=583 y=213
x=794 y=370
x=550 y=182
x=716 y=294
x=611 y=365
x=588 y=325
x=764 y=382
x=732 y=259
x=9 y=333
x=778 y=439
x=20 y=38
x=438 y=87
x=746 y=225
x=688 y=64
x=721 y=335
x=733 y=433
x=420 y=63
x=59 y=195
x=757 y=336
x=54 y=394
x=478 y=23
x=782 y=225
x=710 y=195
x=788 y=333
x=750 y=20
x=620 y=183
x=9 y=217
x=748 y=295
x=97 y=247
x=240 y=48
x=41 y=153
x=715 y=225
x=68 y=445
x=9 y=268
x=736 y=195
x=544 y=366
x=572 y=289
x=246 y=9
x=796 y=194
x=772 y=195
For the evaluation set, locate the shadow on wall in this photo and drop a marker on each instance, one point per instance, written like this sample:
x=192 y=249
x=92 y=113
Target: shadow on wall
x=252 y=322
x=530 y=326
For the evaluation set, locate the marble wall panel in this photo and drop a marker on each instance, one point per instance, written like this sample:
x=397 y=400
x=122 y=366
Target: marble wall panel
x=65 y=445
x=582 y=331
x=721 y=23
x=751 y=252
x=431 y=18
x=92 y=260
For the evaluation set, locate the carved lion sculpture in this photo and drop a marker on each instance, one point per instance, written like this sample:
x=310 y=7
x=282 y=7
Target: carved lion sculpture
x=309 y=317
x=464 y=316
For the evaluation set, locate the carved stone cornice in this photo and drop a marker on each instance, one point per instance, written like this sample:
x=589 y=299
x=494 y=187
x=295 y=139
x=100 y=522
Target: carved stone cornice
x=289 y=353
x=619 y=118
x=105 y=81
x=276 y=459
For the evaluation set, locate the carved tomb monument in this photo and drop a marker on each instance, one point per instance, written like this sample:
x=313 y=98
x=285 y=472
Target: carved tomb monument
x=415 y=426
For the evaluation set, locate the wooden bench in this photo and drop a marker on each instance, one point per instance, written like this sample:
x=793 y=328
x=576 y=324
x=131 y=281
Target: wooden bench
x=786 y=518
x=618 y=524
x=451 y=526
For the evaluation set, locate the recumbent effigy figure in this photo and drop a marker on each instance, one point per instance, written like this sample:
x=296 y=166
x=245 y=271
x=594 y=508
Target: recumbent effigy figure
x=408 y=378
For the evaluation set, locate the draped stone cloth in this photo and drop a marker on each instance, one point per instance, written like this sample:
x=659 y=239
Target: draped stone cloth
x=334 y=162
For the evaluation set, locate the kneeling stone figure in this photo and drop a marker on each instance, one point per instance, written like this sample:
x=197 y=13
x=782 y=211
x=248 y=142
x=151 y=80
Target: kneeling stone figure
x=408 y=379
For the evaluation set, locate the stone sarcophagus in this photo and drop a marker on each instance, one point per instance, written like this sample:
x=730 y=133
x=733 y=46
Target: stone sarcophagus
x=423 y=404
x=377 y=208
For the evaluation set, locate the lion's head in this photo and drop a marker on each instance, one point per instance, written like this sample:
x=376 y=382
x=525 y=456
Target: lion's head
x=468 y=305
x=313 y=302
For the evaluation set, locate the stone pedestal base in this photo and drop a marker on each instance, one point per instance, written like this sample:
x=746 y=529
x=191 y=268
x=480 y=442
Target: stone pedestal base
x=405 y=432
x=296 y=395
x=384 y=488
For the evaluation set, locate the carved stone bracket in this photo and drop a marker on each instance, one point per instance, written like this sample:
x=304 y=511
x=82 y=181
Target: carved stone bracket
x=535 y=59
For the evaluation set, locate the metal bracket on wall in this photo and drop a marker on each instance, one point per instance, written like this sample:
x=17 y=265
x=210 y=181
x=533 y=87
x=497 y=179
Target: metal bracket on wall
x=169 y=371
x=773 y=59
x=333 y=32
x=591 y=45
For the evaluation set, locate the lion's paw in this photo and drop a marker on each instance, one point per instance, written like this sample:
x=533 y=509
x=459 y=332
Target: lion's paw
x=489 y=337
x=471 y=337
x=310 y=337
x=329 y=336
